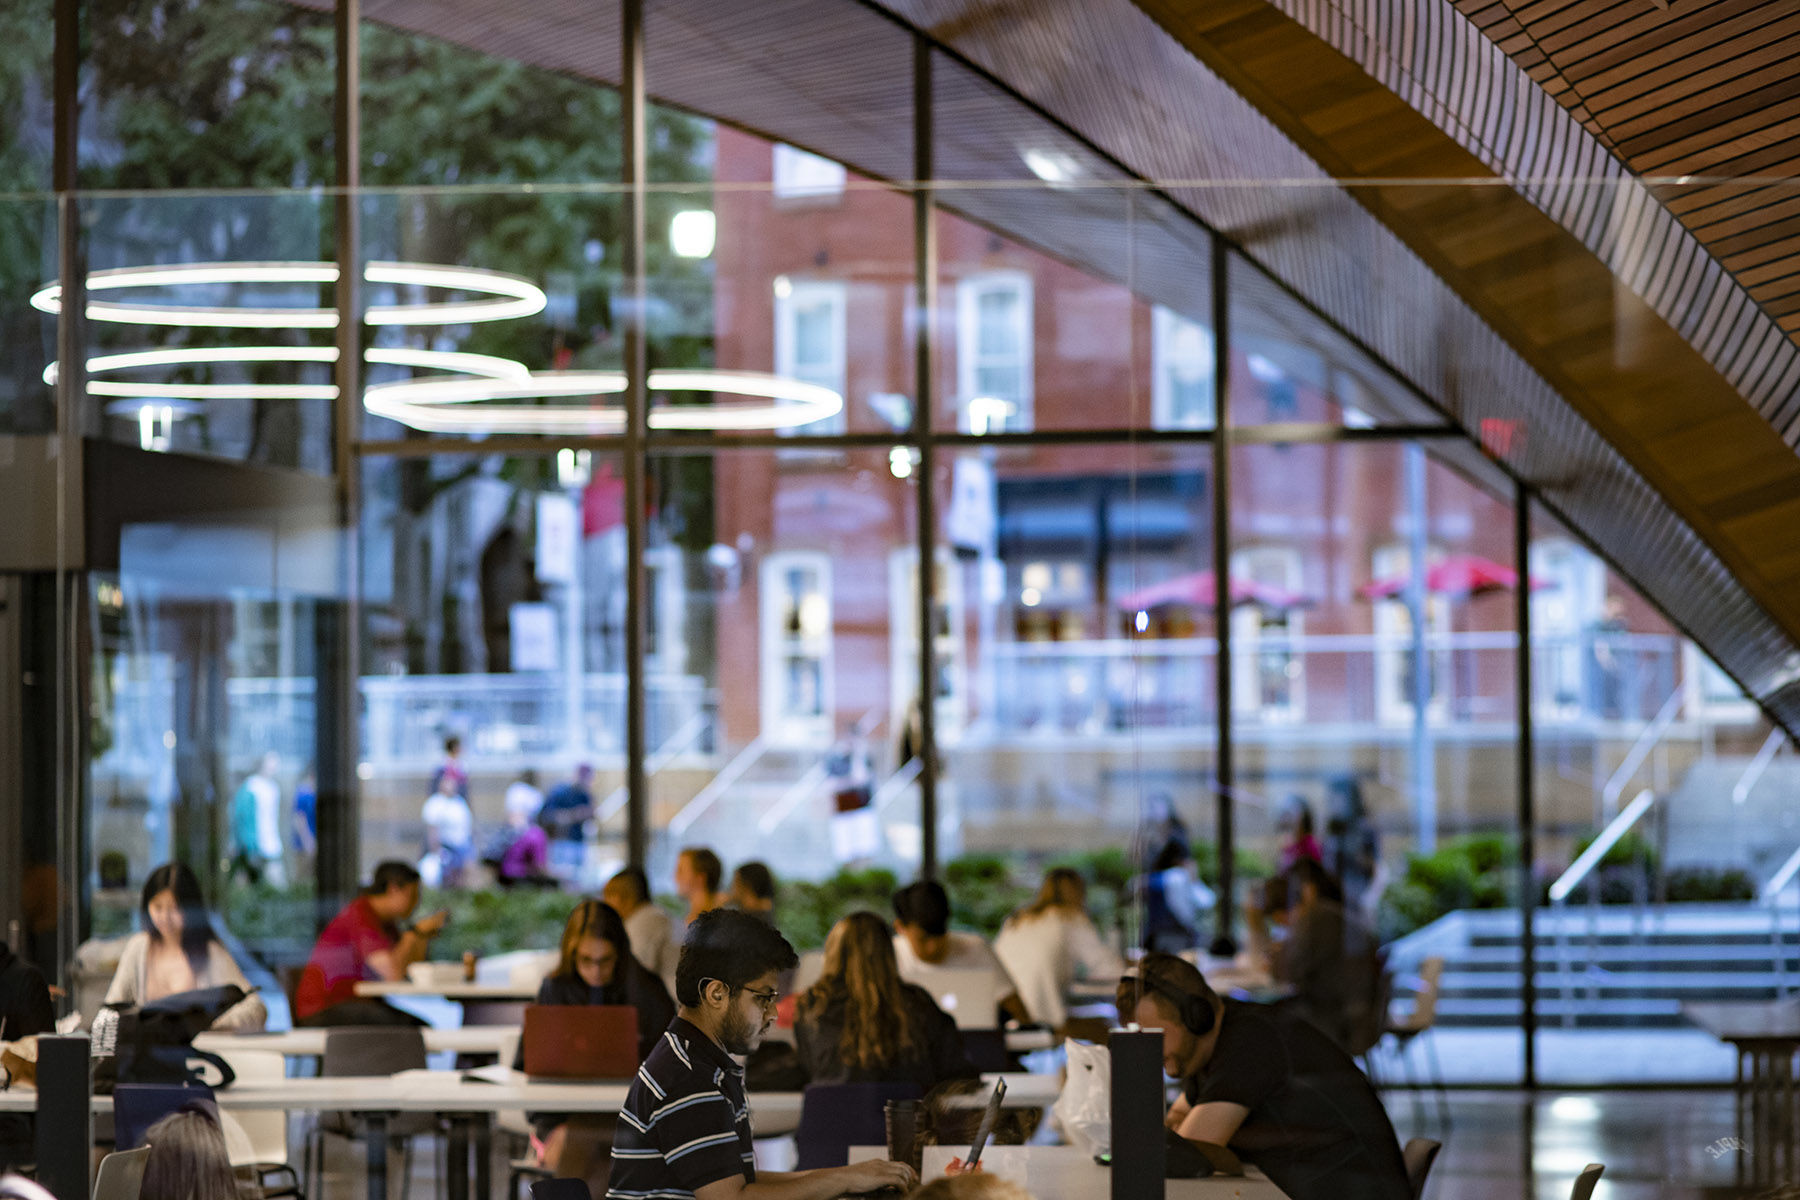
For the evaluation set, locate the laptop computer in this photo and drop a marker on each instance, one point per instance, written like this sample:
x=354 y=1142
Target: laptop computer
x=565 y=1043
x=971 y=997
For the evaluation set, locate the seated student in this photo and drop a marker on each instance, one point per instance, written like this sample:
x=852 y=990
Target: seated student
x=860 y=1024
x=365 y=942
x=1045 y=944
x=1267 y=1084
x=1328 y=956
x=187 y=1159
x=685 y=1129
x=753 y=891
x=652 y=932
x=924 y=941
x=698 y=873
x=25 y=1010
x=176 y=951
x=597 y=967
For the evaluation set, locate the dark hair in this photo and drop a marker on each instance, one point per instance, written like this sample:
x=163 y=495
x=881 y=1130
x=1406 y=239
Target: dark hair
x=1172 y=854
x=924 y=904
x=1308 y=870
x=196 y=928
x=452 y=744
x=707 y=863
x=597 y=919
x=732 y=947
x=757 y=879
x=1180 y=986
x=636 y=880
x=392 y=874
x=187 y=1159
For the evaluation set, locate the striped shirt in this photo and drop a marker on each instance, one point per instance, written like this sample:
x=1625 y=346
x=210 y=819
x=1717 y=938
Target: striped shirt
x=686 y=1122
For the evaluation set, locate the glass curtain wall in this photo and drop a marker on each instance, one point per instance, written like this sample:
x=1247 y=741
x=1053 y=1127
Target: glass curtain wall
x=1010 y=375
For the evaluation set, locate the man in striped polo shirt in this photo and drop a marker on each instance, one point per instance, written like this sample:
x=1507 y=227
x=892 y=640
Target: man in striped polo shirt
x=685 y=1130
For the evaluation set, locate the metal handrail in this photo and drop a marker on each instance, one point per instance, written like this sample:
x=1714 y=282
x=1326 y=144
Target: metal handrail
x=1779 y=881
x=715 y=787
x=677 y=742
x=791 y=799
x=1572 y=878
x=1770 y=895
x=1640 y=750
x=1753 y=773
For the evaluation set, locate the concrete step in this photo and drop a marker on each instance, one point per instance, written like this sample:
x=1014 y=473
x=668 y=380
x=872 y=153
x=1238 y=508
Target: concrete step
x=1724 y=959
x=1501 y=1013
x=1707 y=986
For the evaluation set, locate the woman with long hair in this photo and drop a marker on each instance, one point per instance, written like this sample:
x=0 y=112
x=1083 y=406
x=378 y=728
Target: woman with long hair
x=187 y=1159
x=595 y=966
x=177 y=951
x=860 y=1024
x=1050 y=941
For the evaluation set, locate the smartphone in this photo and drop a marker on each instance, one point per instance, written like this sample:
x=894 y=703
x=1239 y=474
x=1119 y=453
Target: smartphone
x=986 y=1129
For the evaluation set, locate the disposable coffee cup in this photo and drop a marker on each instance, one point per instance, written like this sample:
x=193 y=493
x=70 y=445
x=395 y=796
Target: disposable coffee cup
x=903 y=1132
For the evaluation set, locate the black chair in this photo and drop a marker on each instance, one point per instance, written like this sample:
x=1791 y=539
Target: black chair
x=561 y=1189
x=1586 y=1181
x=986 y=1049
x=369 y=1050
x=837 y=1116
x=1420 y=1153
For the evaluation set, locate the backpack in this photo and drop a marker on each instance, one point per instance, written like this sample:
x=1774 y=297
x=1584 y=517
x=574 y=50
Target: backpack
x=155 y=1043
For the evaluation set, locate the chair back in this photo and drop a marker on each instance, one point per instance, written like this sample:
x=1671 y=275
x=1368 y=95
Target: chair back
x=561 y=1189
x=138 y=1106
x=1586 y=1181
x=121 y=1175
x=1419 y=1153
x=373 y=1050
x=265 y=1133
x=837 y=1116
x=986 y=1049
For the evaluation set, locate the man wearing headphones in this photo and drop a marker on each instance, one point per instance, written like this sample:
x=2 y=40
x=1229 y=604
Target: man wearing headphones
x=1263 y=1082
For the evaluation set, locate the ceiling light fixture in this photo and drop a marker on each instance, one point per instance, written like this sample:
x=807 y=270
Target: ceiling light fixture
x=511 y=295
x=467 y=405
x=488 y=365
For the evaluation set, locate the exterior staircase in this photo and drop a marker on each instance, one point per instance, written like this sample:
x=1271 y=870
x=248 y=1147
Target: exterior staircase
x=1634 y=967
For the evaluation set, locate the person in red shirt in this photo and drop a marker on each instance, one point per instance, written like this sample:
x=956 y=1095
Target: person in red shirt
x=365 y=942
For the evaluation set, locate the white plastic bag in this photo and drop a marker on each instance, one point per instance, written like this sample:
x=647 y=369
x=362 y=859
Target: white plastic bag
x=1084 y=1109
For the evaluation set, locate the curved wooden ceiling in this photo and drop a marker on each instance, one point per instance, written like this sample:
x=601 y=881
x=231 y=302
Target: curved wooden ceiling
x=1692 y=87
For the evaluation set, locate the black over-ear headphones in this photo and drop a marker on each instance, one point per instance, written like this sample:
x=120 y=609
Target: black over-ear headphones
x=1194 y=1010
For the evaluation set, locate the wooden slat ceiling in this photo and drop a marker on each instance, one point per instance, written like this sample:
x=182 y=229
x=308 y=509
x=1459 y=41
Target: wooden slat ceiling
x=1667 y=409
x=1698 y=87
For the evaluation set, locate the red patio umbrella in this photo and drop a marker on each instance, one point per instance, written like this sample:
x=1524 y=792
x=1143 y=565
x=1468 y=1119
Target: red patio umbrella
x=1196 y=589
x=1457 y=575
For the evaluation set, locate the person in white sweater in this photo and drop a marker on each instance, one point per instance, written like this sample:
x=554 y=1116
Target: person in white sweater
x=1046 y=944
x=177 y=951
x=652 y=933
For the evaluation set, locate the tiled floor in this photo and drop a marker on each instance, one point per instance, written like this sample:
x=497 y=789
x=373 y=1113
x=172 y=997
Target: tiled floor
x=1501 y=1145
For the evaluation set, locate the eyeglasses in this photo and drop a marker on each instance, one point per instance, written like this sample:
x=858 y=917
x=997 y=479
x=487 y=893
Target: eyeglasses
x=765 y=1000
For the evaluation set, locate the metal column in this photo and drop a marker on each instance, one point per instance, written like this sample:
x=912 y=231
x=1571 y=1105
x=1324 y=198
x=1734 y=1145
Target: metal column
x=632 y=102
x=924 y=318
x=1223 y=775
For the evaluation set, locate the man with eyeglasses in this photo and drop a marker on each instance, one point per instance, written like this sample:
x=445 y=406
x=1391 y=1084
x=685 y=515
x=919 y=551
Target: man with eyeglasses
x=685 y=1129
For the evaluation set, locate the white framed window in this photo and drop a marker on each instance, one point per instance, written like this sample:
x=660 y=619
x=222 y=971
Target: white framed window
x=1711 y=694
x=993 y=352
x=1181 y=364
x=797 y=692
x=1393 y=645
x=810 y=340
x=946 y=637
x=1268 y=680
x=801 y=175
x=1569 y=647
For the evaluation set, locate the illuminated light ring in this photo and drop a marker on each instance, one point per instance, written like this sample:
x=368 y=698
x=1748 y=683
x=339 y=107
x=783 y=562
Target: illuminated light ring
x=515 y=296
x=457 y=362
x=463 y=405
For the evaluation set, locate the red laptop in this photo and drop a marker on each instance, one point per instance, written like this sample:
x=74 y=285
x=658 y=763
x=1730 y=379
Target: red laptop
x=568 y=1042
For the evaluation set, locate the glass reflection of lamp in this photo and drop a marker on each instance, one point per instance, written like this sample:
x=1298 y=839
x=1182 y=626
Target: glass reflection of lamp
x=155 y=419
x=987 y=413
x=692 y=233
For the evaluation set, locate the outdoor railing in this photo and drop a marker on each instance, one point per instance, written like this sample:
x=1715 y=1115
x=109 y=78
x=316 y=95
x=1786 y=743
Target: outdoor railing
x=1577 y=874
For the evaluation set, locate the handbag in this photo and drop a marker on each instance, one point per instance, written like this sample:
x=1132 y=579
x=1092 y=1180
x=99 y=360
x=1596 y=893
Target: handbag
x=154 y=1043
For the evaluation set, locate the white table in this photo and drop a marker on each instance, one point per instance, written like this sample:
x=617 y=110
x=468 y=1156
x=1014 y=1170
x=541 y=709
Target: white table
x=1065 y=1173
x=373 y=989
x=310 y=1043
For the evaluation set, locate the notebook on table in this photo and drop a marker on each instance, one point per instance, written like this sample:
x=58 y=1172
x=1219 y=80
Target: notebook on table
x=567 y=1043
x=971 y=997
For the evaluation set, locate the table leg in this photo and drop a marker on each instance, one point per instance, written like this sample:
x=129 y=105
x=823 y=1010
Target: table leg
x=484 y=1157
x=456 y=1166
x=1739 y=1095
x=375 y=1128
